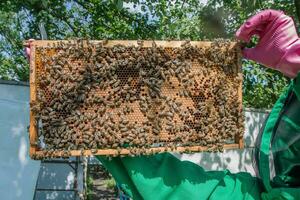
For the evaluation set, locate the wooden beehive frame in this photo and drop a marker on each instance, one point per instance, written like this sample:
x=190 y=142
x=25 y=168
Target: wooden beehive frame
x=33 y=131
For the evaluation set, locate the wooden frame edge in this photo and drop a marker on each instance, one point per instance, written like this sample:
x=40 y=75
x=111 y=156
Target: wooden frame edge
x=240 y=139
x=33 y=151
x=32 y=125
x=146 y=43
x=115 y=152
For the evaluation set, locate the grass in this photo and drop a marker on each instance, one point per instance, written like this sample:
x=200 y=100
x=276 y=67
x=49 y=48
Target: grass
x=89 y=190
x=110 y=183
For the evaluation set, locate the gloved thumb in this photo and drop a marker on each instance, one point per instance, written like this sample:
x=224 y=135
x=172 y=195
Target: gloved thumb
x=27 y=48
x=250 y=53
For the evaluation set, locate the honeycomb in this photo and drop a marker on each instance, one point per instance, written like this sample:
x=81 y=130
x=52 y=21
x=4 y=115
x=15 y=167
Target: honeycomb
x=136 y=96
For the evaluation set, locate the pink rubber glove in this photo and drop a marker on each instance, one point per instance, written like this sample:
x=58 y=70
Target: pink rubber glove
x=27 y=49
x=279 y=44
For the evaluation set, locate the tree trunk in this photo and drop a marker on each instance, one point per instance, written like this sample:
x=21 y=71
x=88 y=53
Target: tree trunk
x=297 y=5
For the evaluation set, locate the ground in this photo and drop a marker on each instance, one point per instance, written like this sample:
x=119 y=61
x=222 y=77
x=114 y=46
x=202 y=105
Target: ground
x=100 y=184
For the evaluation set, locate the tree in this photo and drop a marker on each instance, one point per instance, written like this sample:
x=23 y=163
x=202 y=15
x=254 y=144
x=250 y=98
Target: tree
x=133 y=19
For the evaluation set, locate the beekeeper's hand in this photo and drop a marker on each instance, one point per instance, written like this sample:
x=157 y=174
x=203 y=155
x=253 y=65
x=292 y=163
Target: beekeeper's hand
x=279 y=44
x=28 y=48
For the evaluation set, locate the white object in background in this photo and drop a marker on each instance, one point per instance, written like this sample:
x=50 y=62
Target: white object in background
x=18 y=173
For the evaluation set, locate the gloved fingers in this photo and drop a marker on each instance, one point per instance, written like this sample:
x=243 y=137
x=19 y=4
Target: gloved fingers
x=257 y=31
x=242 y=45
x=257 y=24
x=27 y=53
x=250 y=53
x=27 y=48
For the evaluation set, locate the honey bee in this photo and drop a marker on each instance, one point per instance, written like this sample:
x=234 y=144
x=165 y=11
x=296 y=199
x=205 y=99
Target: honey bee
x=140 y=43
x=94 y=151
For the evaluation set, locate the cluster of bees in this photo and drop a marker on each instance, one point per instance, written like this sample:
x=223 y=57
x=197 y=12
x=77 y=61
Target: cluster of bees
x=91 y=96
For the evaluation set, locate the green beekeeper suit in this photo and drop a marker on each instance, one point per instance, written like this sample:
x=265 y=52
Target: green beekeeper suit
x=164 y=176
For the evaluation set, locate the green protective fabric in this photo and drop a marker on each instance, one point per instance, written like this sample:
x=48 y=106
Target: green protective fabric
x=163 y=176
x=281 y=138
x=264 y=167
x=282 y=194
x=285 y=146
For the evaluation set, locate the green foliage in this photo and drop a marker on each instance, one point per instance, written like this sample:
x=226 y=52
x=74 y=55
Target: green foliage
x=89 y=189
x=12 y=62
x=262 y=86
x=110 y=183
x=133 y=19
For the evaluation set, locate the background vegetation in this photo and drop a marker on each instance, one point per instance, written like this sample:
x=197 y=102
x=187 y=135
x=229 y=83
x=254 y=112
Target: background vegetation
x=134 y=19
